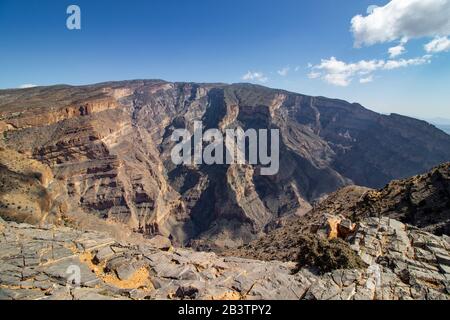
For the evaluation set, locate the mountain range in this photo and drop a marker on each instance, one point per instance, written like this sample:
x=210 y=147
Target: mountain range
x=100 y=154
x=358 y=210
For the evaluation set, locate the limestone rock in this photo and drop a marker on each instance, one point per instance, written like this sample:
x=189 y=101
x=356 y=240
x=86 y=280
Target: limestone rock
x=160 y=242
x=106 y=269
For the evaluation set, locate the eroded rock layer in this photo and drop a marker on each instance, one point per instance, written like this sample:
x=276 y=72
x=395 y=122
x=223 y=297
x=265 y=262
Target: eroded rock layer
x=422 y=201
x=106 y=149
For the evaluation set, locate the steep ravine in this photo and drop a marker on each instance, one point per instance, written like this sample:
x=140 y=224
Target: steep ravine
x=108 y=147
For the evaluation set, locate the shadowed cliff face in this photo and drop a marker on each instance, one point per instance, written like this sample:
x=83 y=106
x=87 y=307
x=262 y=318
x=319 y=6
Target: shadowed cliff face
x=422 y=201
x=418 y=204
x=108 y=146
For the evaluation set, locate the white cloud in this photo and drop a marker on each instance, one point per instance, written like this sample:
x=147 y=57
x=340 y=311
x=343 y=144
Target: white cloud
x=337 y=79
x=366 y=79
x=27 y=85
x=402 y=19
x=284 y=72
x=396 y=51
x=402 y=63
x=255 y=76
x=314 y=75
x=371 y=8
x=340 y=73
x=438 y=44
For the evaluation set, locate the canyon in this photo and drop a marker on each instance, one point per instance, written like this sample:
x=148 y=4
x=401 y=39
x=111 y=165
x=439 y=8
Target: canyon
x=92 y=207
x=98 y=156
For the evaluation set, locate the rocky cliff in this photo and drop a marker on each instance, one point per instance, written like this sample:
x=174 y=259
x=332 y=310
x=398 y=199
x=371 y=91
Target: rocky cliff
x=106 y=152
x=322 y=237
x=422 y=201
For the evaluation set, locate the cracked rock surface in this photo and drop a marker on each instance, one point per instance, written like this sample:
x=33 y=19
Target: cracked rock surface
x=51 y=262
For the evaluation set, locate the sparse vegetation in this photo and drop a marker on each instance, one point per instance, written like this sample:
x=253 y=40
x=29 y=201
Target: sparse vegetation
x=326 y=255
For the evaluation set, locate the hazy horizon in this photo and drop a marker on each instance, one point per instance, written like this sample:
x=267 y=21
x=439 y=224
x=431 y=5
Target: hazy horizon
x=440 y=122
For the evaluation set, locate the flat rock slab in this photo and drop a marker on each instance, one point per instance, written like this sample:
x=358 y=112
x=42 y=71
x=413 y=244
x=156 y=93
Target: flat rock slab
x=92 y=266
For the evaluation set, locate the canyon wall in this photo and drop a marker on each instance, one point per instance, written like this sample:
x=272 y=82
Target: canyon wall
x=106 y=147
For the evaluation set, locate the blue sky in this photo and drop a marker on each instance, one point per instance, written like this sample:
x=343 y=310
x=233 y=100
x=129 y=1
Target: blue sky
x=286 y=44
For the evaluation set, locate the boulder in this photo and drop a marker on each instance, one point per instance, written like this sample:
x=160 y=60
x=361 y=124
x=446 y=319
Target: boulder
x=160 y=242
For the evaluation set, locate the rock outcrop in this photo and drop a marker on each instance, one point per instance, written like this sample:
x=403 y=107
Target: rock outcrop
x=26 y=189
x=422 y=201
x=108 y=146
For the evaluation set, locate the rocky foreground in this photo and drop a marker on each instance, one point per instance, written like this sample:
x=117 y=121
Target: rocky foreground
x=399 y=262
